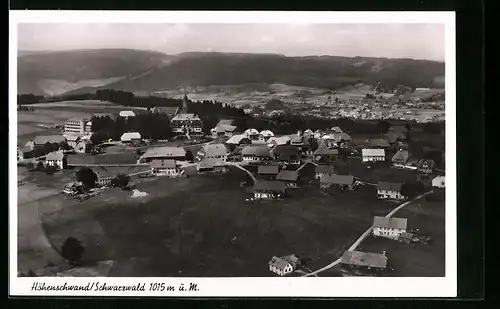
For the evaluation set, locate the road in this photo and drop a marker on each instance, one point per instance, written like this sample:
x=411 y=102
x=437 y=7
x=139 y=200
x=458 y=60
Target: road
x=364 y=235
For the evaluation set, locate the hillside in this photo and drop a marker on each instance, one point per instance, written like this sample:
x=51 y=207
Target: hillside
x=143 y=71
x=53 y=73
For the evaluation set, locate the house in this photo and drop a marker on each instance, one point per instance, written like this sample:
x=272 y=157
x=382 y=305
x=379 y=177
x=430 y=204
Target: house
x=164 y=167
x=170 y=111
x=289 y=177
x=373 y=155
x=281 y=140
x=425 y=166
x=286 y=154
x=268 y=171
x=390 y=190
x=269 y=189
x=174 y=153
x=266 y=135
x=438 y=182
x=389 y=227
x=239 y=139
x=252 y=134
x=325 y=155
x=83 y=146
x=104 y=177
x=255 y=154
x=343 y=182
x=218 y=131
x=283 y=265
x=126 y=114
x=214 y=151
x=131 y=137
x=77 y=126
x=323 y=170
x=56 y=158
x=336 y=130
x=212 y=164
x=357 y=261
x=400 y=158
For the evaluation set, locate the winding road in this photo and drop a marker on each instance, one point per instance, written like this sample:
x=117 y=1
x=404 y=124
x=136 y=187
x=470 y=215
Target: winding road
x=364 y=235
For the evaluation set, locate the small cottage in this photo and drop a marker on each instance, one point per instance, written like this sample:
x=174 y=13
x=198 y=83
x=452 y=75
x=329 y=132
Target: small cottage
x=269 y=189
x=438 y=182
x=56 y=158
x=280 y=266
x=343 y=182
x=373 y=155
x=164 y=167
x=390 y=190
x=289 y=177
x=268 y=171
x=389 y=227
x=363 y=262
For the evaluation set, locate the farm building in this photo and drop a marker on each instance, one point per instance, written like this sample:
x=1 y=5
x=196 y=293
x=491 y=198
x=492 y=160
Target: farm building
x=325 y=155
x=425 y=166
x=289 y=177
x=239 y=139
x=438 y=182
x=389 y=227
x=283 y=265
x=131 y=137
x=42 y=140
x=341 y=137
x=255 y=154
x=104 y=177
x=77 y=126
x=390 y=190
x=126 y=114
x=281 y=140
x=218 y=131
x=213 y=151
x=400 y=158
x=268 y=171
x=286 y=154
x=212 y=164
x=327 y=142
x=24 y=153
x=371 y=263
x=323 y=170
x=164 y=167
x=56 y=158
x=175 y=153
x=189 y=170
x=344 y=182
x=373 y=155
x=269 y=189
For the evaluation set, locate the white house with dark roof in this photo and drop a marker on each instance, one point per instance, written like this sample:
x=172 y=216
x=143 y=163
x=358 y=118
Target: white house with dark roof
x=373 y=155
x=56 y=158
x=357 y=260
x=164 y=167
x=390 y=190
x=283 y=265
x=269 y=189
x=255 y=154
x=389 y=227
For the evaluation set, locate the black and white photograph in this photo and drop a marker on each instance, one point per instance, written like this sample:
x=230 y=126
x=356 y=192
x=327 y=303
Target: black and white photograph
x=286 y=152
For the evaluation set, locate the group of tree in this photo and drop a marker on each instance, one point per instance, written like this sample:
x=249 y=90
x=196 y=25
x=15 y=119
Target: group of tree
x=40 y=167
x=49 y=147
x=121 y=181
x=87 y=177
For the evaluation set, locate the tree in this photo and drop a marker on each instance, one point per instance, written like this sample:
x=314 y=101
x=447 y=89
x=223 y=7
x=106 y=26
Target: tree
x=31 y=166
x=87 y=177
x=39 y=166
x=64 y=145
x=51 y=169
x=189 y=155
x=120 y=181
x=98 y=137
x=72 y=250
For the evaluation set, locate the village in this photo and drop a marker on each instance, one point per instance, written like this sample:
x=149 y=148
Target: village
x=277 y=166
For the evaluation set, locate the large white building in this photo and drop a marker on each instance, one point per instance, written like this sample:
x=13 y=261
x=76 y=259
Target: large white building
x=389 y=227
x=55 y=158
x=77 y=126
x=185 y=123
x=162 y=167
x=390 y=190
x=373 y=155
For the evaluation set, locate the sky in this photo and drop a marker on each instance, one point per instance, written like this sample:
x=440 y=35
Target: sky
x=418 y=41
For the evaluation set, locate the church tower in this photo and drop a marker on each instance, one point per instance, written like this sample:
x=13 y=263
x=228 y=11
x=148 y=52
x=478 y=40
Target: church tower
x=184 y=104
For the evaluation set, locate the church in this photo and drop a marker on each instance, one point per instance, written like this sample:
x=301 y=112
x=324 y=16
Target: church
x=184 y=123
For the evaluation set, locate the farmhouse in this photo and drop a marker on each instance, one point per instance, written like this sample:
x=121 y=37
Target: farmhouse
x=390 y=190
x=104 y=177
x=214 y=151
x=164 y=167
x=343 y=182
x=372 y=263
x=323 y=170
x=126 y=114
x=174 y=153
x=56 y=158
x=289 y=177
x=269 y=189
x=400 y=158
x=287 y=154
x=212 y=164
x=425 y=166
x=255 y=154
x=373 y=155
x=438 y=182
x=77 y=126
x=268 y=171
x=24 y=153
x=389 y=227
x=131 y=137
x=239 y=139
x=325 y=155
x=283 y=265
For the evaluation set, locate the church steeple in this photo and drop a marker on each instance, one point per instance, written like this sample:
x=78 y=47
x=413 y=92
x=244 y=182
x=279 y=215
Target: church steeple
x=185 y=104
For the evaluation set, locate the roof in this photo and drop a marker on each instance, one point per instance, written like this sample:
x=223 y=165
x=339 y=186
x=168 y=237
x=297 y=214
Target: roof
x=364 y=259
x=183 y=117
x=168 y=110
x=325 y=169
x=308 y=131
x=286 y=152
x=40 y=140
x=78 y=119
x=337 y=179
x=281 y=140
x=127 y=114
x=326 y=151
x=210 y=163
x=401 y=155
x=405 y=235
x=268 y=169
x=296 y=139
x=287 y=175
x=237 y=139
x=279 y=263
x=190 y=169
x=111 y=115
x=225 y=122
x=258 y=151
x=212 y=150
x=251 y=132
x=373 y=152
x=71 y=137
x=167 y=163
x=273 y=186
x=389 y=186
x=401 y=129
x=266 y=133
x=391 y=223
x=379 y=142
x=159 y=152
x=336 y=129
x=56 y=155
x=219 y=129
x=439 y=178
x=130 y=136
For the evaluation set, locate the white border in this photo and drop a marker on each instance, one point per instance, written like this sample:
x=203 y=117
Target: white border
x=272 y=287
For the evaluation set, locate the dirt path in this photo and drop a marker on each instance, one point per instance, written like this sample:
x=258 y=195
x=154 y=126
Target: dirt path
x=364 y=235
